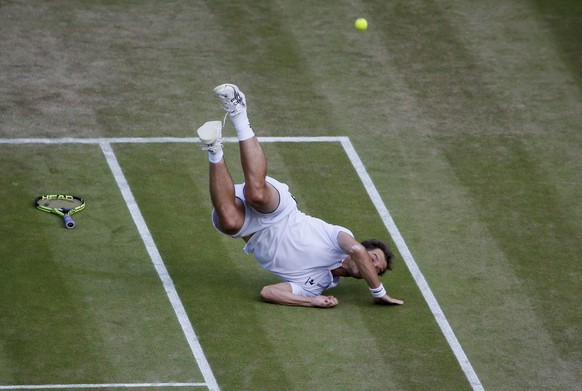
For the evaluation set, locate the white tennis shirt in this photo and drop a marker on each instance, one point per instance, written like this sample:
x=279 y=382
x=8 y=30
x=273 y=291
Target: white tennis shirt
x=301 y=250
x=298 y=248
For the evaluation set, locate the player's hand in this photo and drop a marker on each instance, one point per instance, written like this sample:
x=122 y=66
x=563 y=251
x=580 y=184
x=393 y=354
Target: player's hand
x=388 y=300
x=325 y=301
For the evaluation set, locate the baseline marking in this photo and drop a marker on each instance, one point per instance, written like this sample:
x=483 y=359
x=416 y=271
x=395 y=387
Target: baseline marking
x=153 y=140
x=112 y=385
x=369 y=186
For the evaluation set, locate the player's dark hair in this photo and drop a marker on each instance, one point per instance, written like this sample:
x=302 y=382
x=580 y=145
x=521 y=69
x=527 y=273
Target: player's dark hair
x=372 y=244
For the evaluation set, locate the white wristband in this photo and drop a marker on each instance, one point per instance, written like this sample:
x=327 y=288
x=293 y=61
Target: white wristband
x=378 y=292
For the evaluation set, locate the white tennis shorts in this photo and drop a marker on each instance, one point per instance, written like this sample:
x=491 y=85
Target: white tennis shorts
x=255 y=220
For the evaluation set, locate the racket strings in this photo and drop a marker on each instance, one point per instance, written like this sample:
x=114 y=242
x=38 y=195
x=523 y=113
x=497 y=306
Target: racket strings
x=68 y=204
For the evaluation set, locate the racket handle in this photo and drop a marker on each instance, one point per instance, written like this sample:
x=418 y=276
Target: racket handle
x=69 y=222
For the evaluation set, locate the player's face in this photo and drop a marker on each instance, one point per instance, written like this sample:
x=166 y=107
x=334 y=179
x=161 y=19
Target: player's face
x=378 y=260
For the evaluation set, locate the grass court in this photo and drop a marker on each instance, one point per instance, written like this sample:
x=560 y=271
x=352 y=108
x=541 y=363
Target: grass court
x=451 y=129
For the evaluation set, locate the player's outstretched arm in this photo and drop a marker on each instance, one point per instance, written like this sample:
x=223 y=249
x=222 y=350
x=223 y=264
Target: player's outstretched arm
x=282 y=293
x=362 y=259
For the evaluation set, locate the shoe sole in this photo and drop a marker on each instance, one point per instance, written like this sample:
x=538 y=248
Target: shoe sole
x=210 y=132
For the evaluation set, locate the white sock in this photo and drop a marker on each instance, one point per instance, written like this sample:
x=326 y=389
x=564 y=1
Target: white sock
x=242 y=125
x=215 y=157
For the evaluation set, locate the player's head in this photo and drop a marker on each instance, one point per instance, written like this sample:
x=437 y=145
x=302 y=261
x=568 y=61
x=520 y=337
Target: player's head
x=372 y=244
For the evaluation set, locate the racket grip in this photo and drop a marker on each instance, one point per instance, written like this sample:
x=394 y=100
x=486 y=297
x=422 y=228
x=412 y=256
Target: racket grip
x=69 y=222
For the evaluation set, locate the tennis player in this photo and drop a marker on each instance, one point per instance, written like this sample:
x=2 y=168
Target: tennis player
x=308 y=254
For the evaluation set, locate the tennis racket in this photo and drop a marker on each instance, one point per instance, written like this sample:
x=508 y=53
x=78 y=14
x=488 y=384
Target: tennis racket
x=62 y=205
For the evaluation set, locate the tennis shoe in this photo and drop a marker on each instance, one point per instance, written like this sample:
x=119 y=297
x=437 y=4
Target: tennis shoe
x=233 y=100
x=210 y=135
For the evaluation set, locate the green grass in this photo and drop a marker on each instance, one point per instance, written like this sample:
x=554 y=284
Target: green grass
x=246 y=323
x=466 y=116
x=82 y=305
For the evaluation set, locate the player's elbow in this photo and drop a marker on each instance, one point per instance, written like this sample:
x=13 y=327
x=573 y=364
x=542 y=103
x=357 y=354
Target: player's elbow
x=267 y=294
x=278 y=294
x=358 y=250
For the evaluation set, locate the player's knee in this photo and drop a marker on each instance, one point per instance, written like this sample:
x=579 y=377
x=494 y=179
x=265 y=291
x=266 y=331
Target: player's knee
x=266 y=293
x=229 y=229
x=229 y=223
x=257 y=194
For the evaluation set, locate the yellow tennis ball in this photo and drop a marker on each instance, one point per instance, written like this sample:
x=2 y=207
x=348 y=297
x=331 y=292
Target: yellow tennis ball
x=361 y=24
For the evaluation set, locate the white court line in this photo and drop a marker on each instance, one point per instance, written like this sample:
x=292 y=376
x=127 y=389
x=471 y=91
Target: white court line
x=150 y=140
x=160 y=267
x=112 y=385
x=372 y=192
x=412 y=266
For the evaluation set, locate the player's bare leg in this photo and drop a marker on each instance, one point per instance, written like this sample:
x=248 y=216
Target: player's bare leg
x=229 y=209
x=258 y=193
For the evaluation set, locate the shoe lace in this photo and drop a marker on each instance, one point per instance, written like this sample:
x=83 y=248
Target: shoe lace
x=224 y=121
